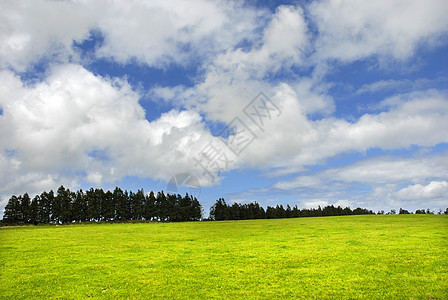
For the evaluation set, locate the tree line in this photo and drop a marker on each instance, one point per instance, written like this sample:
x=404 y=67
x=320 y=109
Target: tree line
x=222 y=211
x=97 y=205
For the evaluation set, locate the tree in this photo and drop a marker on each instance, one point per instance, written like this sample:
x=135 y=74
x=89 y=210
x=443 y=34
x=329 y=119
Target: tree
x=34 y=210
x=196 y=210
x=108 y=206
x=403 y=212
x=121 y=204
x=12 y=210
x=136 y=201
x=271 y=213
x=80 y=209
x=219 y=211
x=161 y=207
x=185 y=203
x=93 y=204
x=45 y=207
x=25 y=208
x=149 y=210
x=63 y=205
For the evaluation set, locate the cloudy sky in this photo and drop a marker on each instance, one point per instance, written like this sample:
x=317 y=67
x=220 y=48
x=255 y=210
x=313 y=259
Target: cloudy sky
x=299 y=102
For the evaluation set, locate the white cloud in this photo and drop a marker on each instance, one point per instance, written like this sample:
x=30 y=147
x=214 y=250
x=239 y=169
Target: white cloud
x=234 y=77
x=156 y=33
x=85 y=127
x=352 y=30
x=33 y=30
x=162 y=32
x=315 y=203
x=375 y=183
x=433 y=190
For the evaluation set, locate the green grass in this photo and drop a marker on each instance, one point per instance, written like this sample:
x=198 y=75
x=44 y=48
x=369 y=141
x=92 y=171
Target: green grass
x=393 y=257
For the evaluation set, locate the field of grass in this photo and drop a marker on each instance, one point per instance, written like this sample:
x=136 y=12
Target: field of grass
x=393 y=257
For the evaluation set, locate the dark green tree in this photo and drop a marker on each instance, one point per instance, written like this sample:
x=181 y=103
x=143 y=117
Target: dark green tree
x=25 y=203
x=121 y=204
x=150 y=207
x=80 y=208
x=161 y=208
x=34 y=210
x=45 y=204
x=220 y=210
x=108 y=206
x=13 y=211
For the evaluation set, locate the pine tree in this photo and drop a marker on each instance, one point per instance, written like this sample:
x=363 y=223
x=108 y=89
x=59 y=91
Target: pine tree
x=12 y=211
x=45 y=203
x=121 y=204
x=149 y=210
x=161 y=206
x=34 y=210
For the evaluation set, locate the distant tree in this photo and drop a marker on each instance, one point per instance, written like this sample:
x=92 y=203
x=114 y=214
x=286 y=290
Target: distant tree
x=12 y=211
x=420 y=212
x=64 y=200
x=34 y=210
x=149 y=210
x=121 y=204
x=281 y=212
x=446 y=211
x=195 y=210
x=429 y=212
x=271 y=213
x=403 y=212
x=138 y=201
x=234 y=212
x=295 y=212
x=45 y=207
x=25 y=203
x=161 y=207
x=108 y=206
x=219 y=211
x=93 y=205
x=80 y=207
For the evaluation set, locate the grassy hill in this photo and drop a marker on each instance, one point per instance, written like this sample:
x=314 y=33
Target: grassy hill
x=392 y=256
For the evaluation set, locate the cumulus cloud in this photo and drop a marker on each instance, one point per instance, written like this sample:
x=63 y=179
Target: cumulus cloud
x=76 y=124
x=433 y=190
x=32 y=31
x=156 y=33
x=377 y=182
x=352 y=30
x=233 y=78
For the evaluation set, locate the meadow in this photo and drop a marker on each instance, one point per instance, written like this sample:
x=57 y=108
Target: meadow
x=352 y=257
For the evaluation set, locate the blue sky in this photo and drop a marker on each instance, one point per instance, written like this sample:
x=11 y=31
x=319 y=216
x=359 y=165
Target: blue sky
x=304 y=103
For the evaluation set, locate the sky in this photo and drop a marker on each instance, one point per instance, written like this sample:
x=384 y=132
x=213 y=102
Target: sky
x=304 y=103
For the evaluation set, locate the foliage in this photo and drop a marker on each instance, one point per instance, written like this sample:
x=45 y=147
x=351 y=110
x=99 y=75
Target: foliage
x=222 y=211
x=97 y=205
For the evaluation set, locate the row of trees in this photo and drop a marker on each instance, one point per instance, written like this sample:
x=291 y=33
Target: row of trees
x=223 y=211
x=96 y=205
x=417 y=212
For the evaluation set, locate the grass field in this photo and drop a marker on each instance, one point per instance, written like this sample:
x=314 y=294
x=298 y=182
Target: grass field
x=393 y=257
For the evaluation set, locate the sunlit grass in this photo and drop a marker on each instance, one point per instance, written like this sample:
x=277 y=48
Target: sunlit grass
x=402 y=256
